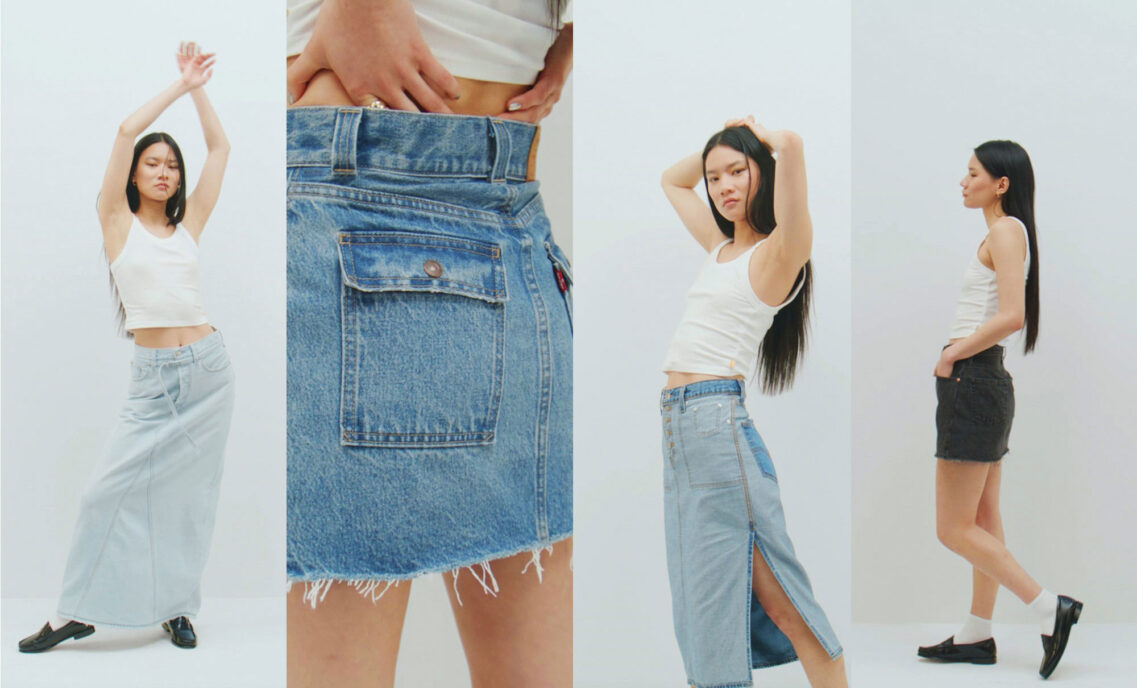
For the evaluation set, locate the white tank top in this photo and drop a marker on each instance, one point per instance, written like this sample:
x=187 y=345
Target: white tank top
x=489 y=40
x=724 y=321
x=158 y=279
x=979 y=298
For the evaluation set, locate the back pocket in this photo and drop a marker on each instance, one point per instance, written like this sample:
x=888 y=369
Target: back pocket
x=423 y=320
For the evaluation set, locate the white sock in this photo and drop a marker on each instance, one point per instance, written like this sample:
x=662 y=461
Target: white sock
x=1046 y=606
x=975 y=628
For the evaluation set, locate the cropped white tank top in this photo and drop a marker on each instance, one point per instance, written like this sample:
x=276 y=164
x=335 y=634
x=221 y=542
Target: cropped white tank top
x=979 y=298
x=723 y=322
x=158 y=279
x=489 y=40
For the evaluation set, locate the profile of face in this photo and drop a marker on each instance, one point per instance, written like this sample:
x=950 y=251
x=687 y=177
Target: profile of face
x=980 y=189
x=732 y=180
x=157 y=175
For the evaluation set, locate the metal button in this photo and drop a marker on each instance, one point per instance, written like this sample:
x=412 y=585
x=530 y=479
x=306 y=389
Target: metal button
x=432 y=268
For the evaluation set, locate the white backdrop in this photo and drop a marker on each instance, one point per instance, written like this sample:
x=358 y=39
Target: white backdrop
x=70 y=76
x=654 y=82
x=932 y=81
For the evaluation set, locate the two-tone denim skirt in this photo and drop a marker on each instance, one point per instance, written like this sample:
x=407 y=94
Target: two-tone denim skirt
x=429 y=347
x=721 y=503
x=146 y=517
x=975 y=408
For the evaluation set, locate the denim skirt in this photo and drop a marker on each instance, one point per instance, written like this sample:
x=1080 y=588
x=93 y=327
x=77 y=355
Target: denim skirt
x=429 y=348
x=721 y=501
x=975 y=407
x=146 y=517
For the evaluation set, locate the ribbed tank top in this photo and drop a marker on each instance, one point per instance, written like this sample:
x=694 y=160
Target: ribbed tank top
x=723 y=322
x=979 y=297
x=158 y=279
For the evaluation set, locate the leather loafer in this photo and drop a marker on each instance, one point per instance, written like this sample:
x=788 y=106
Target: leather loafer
x=982 y=652
x=48 y=638
x=181 y=632
x=1054 y=645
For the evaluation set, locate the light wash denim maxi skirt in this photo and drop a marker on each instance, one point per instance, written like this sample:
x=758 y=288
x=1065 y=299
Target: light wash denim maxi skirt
x=146 y=517
x=429 y=349
x=721 y=499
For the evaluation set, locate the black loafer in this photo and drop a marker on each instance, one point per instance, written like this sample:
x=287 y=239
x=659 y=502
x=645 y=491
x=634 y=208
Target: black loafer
x=48 y=638
x=982 y=652
x=1054 y=645
x=181 y=632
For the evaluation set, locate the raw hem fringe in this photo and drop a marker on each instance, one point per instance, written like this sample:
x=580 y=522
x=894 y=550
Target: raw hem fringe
x=316 y=590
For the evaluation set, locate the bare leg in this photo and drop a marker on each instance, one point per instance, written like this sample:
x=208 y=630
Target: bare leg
x=959 y=487
x=821 y=671
x=522 y=637
x=983 y=587
x=347 y=640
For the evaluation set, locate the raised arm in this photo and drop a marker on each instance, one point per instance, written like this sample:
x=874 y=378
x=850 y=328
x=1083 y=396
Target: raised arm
x=114 y=212
x=679 y=182
x=1007 y=246
x=196 y=69
x=793 y=240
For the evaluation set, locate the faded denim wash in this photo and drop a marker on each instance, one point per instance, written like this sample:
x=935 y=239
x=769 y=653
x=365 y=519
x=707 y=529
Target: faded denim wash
x=721 y=499
x=429 y=348
x=146 y=518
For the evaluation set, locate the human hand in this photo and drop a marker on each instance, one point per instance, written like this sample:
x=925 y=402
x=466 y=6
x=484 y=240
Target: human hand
x=944 y=365
x=536 y=103
x=196 y=68
x=378 y=54
x=772 y=139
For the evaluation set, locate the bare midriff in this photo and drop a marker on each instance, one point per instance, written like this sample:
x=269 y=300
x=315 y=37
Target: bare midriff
x=482 y=98
x=675 y=379
x=170 y=337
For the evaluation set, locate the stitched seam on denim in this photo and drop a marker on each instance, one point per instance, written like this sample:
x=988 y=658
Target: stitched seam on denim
x=150 y=533
x=789 y=595
x=567 y=276
x=680 y=498
x=544 y=401
x=741 y=467
x=344 y=139
x=387 y=200
x=754 y=449
x=403 y=172
x=483 y=250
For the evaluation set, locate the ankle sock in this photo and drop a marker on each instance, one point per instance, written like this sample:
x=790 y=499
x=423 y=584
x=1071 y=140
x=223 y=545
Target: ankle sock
x=1046 y=607
x=975 y=628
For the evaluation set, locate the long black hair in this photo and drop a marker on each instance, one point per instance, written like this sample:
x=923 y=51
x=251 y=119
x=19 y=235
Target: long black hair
x=175 y=208
x=785 y=341
x=1009 y=159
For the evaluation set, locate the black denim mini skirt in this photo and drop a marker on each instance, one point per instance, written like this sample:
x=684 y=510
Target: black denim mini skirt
x=975 y=408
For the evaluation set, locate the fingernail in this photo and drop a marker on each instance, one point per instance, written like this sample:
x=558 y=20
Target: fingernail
x=291 y=100
x=513 y=107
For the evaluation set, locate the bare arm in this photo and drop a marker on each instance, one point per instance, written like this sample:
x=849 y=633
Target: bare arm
x=200 y=203
x=679 y=182
x=1007 y=246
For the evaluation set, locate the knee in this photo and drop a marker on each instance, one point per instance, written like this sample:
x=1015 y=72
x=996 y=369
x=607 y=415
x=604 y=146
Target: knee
x=950 y=535
x=786 y=618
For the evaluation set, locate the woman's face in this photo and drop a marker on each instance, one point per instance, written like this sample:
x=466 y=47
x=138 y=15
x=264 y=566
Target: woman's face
x=732 y=181
x=157 y=175
x=980 y=189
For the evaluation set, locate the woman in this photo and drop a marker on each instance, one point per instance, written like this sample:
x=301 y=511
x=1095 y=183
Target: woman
x=977 y=405
x=146 y=517
x=740 y=597
x=430 y=370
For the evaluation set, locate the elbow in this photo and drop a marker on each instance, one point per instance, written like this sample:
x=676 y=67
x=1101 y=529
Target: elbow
x=125 y=131
x=791 y=141
x=1016 y=321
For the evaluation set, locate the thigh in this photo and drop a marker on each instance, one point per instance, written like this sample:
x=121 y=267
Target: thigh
x=523 y=635
x=959 y=487
x=348 y=639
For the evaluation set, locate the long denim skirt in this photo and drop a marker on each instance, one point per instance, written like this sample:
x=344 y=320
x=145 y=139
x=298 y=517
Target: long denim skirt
x=429 y=348
x=721 y=501
x=146 y=517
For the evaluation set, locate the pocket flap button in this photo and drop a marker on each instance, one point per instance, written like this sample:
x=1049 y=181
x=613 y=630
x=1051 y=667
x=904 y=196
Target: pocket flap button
x=432 y=268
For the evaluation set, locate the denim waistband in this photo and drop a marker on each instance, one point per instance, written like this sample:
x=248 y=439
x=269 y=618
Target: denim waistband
x=177 y=354
x=702 y=389
x=350 y=139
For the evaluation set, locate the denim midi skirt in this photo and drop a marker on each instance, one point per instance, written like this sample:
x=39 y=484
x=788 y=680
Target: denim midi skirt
x=429 y=347
x=146 y=517
x=975 y=408
x=721 y=500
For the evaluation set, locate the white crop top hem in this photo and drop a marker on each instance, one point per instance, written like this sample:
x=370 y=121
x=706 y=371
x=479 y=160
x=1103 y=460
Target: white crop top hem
x=979 y=296
x=724 y=321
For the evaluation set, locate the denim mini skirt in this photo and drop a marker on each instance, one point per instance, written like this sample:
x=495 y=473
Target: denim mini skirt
x=429 y=348
x=721 y=500
x=975 y=407
x=146 y=517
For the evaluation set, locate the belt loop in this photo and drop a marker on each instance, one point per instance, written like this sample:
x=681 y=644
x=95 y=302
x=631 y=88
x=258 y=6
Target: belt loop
x=501 y=147
x=683 y=399
x=344 y=140
x=742 y=391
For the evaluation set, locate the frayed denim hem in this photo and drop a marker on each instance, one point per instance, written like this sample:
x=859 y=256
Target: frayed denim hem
x=316 y=589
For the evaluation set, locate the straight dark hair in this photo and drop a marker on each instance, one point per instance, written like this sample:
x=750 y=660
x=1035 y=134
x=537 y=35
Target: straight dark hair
x=785 y=341
x=175 y=209
x=1009 y=159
